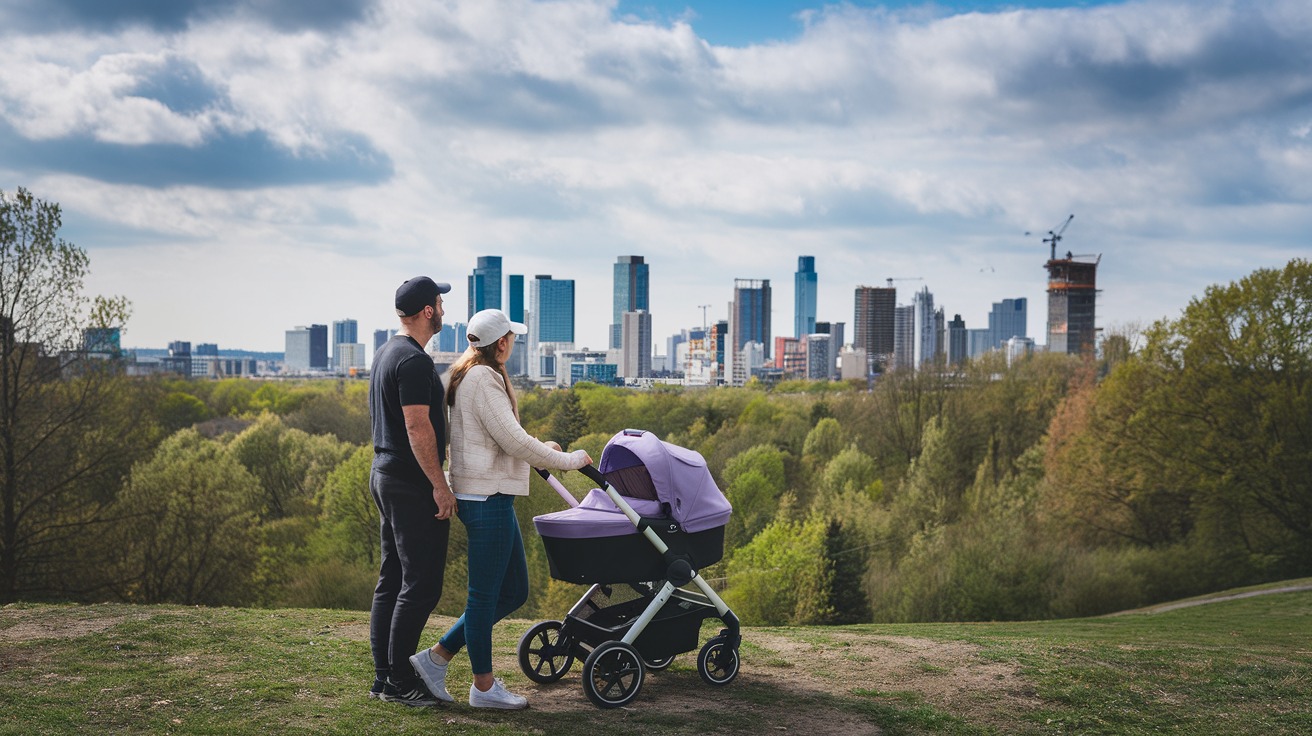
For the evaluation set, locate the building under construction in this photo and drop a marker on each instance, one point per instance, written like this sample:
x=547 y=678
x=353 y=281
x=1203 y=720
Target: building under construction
x=1072 y=298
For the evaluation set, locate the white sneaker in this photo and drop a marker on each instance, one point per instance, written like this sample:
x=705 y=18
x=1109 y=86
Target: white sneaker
x=496 y=696
x=432 y=673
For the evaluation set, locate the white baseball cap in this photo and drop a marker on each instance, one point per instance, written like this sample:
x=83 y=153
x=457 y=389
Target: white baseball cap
x=490 y=325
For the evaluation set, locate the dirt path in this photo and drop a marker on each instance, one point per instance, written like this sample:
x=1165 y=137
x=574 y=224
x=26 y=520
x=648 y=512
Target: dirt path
x=1163 y=608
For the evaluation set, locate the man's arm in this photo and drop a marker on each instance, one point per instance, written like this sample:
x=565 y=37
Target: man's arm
x=423 y=442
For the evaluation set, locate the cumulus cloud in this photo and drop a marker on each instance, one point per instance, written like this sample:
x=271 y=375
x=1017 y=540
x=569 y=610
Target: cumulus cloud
x=537 y=128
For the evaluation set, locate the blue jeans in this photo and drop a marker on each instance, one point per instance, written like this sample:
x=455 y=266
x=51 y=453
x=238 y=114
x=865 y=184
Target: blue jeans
x=498 y=577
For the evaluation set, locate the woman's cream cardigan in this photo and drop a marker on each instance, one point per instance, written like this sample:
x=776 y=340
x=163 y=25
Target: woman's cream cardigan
x=490 y=452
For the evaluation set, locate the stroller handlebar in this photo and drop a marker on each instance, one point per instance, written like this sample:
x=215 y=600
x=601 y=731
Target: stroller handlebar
x=594 y=475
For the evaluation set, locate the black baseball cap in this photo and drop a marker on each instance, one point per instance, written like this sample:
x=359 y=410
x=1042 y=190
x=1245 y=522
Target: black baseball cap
x=417 y=293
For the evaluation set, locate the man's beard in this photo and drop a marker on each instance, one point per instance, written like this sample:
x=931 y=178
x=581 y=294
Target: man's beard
x=436 y=321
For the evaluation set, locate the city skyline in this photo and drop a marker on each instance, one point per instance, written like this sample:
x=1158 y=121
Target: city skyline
x=226 y=162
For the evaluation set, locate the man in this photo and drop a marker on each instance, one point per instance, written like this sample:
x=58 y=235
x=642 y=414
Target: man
x=408 y=413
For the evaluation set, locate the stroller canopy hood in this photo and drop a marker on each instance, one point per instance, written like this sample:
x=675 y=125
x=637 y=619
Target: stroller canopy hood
x=681 y=480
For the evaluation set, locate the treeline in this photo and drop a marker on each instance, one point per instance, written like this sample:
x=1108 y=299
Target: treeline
x=1175 y=464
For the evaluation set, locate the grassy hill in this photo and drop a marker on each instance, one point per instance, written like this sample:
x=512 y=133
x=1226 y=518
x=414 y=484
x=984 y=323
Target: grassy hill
x=1232 y=664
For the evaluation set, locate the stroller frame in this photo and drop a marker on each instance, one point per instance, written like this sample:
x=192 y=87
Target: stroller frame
x=620 y=642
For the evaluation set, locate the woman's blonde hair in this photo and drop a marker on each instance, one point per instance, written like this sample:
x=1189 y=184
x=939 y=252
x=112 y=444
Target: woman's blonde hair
x=486 y=355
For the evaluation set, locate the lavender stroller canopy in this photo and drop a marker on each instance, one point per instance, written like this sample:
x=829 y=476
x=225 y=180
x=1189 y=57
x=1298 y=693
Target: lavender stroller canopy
x=657 y=478
x=640 y=465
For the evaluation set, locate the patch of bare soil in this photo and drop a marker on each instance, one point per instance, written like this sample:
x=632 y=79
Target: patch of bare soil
x=30 y=624
x=949 y=676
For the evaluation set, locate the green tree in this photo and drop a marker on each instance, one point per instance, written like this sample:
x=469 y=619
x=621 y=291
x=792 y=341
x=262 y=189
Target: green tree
x=187 y=528
x=781 y=576
x=179 y=410
x=569 y=421
x=290 y=465
x=350 y=516
x=63 y=444
x=823 y=441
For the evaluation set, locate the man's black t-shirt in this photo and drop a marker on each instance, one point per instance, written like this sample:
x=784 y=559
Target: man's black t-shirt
x=403 y=375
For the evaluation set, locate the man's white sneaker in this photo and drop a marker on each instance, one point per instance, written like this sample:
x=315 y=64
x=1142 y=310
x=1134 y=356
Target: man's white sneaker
x=432 y=673
x=496 y=696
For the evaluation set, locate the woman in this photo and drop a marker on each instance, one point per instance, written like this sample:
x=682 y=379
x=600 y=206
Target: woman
x=490 y=458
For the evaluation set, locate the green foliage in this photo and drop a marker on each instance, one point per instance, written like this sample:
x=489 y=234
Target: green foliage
x=231 y=397
x=823 y=441
x=850 y=471
x=289 y=464
x=187 y=526
x=569 y=421
x=782 y=576
x=180 y=410
x=70 y=426
x=349 y=530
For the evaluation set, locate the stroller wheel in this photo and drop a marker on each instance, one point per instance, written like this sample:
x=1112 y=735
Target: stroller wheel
x=544 y=655
x=658 y=664
x=612 y=674
x=717 y=662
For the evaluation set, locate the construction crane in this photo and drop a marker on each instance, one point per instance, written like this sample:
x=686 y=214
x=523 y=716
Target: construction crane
x=704 y=307
x=903 y=278
x=1055 y=237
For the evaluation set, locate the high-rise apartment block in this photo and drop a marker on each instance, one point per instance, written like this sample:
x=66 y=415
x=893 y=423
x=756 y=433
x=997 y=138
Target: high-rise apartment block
x=551 y=323
x=318 y=347
x=958 y=341
x=635 y=344
x=346 y=332
x=925 y=345
x=1072 y=304
x=517 y=365
x=749 y=315
x=381 y=337
x=632 y=293
x=296 y=350
x=873 y=324
x=904 y=337
x=804 y=297
x=515 y=297
x=749 y=328
x=1008 y=319
x=485 y=285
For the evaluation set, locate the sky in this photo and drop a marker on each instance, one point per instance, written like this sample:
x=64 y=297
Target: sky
x=236 y=168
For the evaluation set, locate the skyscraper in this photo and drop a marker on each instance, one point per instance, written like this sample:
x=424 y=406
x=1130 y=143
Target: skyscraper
x=635 y=344
x=1072 y=301
x=926 y=331
x=804 y=296
x=345 y=332
x=836 y=332
x=749 y=319
x=515 y=299
x=958 y=342
x=319 y=347
x=485 y=285
x=296 y=351
x=551 y=322
x=517 y=365
x=1008 y=320
x=631 y=293
x=904 y=337
x=873 y=324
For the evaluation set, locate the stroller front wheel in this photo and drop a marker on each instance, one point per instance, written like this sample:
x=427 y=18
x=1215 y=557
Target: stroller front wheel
x=612 y=674
x=717 y=662
x=544 y=655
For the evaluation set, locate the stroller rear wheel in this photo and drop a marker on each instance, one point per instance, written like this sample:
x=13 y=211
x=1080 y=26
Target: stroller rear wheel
x=717 y=662
x=612 y=674
x=544 y=655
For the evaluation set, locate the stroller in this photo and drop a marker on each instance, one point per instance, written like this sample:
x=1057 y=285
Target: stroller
x=638 y=538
